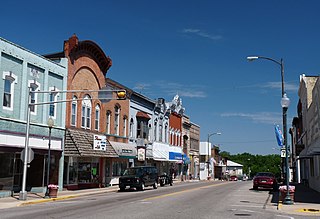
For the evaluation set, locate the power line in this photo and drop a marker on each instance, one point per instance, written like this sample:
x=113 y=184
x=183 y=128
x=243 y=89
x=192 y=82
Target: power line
x=239 y=142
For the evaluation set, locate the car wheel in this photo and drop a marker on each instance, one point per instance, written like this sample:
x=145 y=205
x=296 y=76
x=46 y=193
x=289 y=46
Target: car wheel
x=155 y=185
x=122 y=189
x=255 y=187
x=142 y=187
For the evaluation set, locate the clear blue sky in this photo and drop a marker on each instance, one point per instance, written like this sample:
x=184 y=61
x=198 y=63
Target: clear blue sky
x=197 y=49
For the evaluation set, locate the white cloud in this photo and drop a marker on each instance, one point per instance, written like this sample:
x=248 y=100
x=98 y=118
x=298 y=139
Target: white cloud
x=262 y=117
x=278 y=85
x=202 y=34
x=171 y=89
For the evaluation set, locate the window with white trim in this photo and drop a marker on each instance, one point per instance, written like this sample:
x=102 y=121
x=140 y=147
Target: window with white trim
x=9 y=81
x=52 y=98
x=131 y=128
x=166 y=133
x=97 y=118
x=155 y=130
x=74 y=111
x=86 y=112
x=160 y=131
x=116 y=119
x=34 y=85
x=108 y=122
x=124 y=129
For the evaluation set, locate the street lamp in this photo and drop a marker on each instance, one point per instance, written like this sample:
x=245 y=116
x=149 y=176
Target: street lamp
x=284 y=104
x=208 y=160
x=50 y=125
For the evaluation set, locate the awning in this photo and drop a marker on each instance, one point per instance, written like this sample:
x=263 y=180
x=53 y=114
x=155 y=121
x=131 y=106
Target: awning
x=141 y=114
x=160 y=151
x=160 y=155
x=125 y=150
x=80 y=143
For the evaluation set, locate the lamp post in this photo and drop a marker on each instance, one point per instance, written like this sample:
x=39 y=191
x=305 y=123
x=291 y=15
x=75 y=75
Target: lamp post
x=50 y=125
x=208 y=160
x=284 y=104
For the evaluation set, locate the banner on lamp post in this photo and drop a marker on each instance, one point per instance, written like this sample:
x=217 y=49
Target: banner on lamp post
x=279 y=135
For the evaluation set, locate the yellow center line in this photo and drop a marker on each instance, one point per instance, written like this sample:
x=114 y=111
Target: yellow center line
x=184 y=191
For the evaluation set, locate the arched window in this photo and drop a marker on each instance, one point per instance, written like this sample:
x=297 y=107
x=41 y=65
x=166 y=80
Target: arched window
x=160 y=131
x=74 y=111
x=124 y=128
x=166 y=133
x=155 y=130
x=86 y=112
x=108 y=122
x=131 y=128
x=97 y=118
x=116 y=119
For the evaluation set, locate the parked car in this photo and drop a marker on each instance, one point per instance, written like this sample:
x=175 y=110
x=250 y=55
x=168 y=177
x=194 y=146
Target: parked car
x=139 y=177
x=265 y=180
x=233 y=178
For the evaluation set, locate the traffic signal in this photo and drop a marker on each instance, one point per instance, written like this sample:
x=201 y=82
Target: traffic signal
x=121 y=95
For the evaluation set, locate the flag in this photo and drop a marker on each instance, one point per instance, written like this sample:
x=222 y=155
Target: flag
x=279 y=135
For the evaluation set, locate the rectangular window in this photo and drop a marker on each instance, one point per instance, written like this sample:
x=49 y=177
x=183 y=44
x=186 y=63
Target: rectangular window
x=33 y=100
x=52 y=105
x=7 y=93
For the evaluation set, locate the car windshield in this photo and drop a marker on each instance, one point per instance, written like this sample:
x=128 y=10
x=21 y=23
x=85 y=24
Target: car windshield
x=265 y=174
x=132 y=172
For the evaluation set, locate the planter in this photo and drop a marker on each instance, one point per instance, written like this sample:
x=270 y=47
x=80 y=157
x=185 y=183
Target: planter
x=53 y=192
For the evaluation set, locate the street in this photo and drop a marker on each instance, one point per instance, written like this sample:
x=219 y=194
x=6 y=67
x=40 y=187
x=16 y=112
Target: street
x=184 y=200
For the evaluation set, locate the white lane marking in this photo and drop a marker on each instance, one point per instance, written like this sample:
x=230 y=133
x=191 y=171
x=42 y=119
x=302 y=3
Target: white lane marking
x=251 y=206
x=285 y=216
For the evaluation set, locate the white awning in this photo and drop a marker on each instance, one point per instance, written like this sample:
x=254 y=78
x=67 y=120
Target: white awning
x=124 y=150
x=160 y=151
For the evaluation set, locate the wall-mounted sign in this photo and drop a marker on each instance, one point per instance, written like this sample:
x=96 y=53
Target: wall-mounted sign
x=99 y=142
x=141 y=154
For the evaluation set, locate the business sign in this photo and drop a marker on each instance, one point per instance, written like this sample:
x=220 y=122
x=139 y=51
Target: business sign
x=99 y=142
x=142 y=154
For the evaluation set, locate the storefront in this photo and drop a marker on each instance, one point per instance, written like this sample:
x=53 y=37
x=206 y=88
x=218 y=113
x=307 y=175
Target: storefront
x=11 y=163
x=127 y=155
x=86 y=155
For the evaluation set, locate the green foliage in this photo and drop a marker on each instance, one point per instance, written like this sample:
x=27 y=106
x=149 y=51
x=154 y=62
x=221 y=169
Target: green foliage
x=256 y=163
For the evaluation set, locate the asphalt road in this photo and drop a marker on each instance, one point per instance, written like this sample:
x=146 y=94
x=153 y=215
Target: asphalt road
x=185 y=200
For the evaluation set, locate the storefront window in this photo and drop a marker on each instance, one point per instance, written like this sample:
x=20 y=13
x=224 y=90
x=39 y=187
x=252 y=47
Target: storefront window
x=6 y=171
x=73 y=170
x=118 y=167
x=88 y=170
x=82 y=170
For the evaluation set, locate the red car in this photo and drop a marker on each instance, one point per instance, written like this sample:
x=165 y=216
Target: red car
x=233 y=178
x=265 y=180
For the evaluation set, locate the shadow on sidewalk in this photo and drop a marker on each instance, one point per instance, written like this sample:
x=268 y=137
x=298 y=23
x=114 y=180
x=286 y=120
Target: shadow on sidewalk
x=302 y=194
x=305 y=194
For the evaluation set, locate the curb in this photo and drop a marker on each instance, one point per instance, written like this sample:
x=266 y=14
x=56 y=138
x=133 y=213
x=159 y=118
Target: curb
x=64 y=197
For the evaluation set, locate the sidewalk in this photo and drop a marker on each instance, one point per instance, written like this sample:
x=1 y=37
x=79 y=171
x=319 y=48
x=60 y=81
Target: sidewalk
x=306 y=201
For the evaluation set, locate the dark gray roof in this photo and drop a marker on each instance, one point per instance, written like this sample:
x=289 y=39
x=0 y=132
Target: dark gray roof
x=80 y=143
